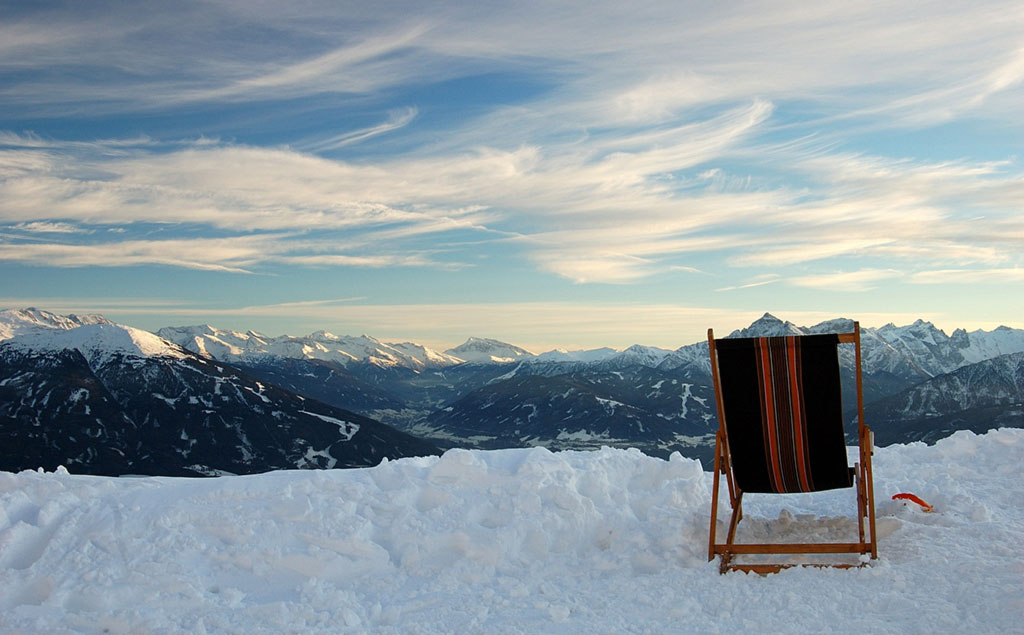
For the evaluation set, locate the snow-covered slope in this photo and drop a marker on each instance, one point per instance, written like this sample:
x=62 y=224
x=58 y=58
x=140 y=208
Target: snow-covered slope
x=15 y=322
x=768 y=326
x=936 y=353
x=591 y=355
x=637 y=355
x=232 y=346
x=511 y=541
x=978 y=346
x=484 y=351
x=98 y=342
x=974 y=397
x=95 y=337
x=212 y=343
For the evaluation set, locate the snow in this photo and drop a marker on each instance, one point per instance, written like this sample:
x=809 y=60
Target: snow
x=348 y=429
x=510 y=541
x=93 y=335
x=589 y=355
x=989 y=344
x=15 y=322
x=643 y=355
x=98 y=342
x=481 y=350
x=233 y=346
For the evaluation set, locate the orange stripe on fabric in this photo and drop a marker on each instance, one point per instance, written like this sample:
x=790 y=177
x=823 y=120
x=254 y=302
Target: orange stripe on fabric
x=798 y=433
x=773 y=443
x=762 y=401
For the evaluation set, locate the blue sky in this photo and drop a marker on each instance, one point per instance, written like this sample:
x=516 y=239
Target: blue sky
x=565 y=175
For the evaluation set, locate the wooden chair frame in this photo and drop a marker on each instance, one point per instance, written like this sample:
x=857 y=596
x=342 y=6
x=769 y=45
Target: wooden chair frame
x=867 y=544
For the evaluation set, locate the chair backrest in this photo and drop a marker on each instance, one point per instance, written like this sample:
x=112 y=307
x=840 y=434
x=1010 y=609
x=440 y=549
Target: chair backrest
x=781 y=402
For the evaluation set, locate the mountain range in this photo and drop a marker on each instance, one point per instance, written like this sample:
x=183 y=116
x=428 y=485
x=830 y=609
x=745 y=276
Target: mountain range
x=201 y=400
x=103 y=398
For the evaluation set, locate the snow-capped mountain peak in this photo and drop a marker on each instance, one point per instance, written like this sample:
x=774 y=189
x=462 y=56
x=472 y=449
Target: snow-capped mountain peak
x=233 y=346
x=641 y=356
x=328 y=336
x=211 y=342
x=428 y=357
x=980 y=345
x=484 y=350
x=768 y=326
x=96 y=337
x=98 y=342
x=837 y=325
x=591 y=355
x=19 y=321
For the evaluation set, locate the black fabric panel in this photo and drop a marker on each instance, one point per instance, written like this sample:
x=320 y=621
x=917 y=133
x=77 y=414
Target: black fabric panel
x=737 y=366
x=737 y=371
x=823 y=399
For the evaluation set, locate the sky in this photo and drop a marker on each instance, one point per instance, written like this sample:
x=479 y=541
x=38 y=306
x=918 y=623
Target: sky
x=570 y=175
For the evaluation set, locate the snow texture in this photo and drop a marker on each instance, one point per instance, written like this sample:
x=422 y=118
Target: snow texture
x=508 y=541
x=481 y=350
x=15 y=322
x=232 y=346
x=99 y=342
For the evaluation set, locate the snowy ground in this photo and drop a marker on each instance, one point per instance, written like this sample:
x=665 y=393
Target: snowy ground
x=512 y=541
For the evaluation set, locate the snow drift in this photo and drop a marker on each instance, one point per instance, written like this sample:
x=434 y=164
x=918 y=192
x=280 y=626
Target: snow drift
x=505 y=541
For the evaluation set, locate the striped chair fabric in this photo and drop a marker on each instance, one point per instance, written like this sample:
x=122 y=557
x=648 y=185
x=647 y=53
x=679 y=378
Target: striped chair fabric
x=790 y=439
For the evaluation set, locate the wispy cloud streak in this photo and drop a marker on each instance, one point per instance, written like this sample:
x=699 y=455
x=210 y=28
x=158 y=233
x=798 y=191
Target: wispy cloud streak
x=662 y=140
x=397 y=119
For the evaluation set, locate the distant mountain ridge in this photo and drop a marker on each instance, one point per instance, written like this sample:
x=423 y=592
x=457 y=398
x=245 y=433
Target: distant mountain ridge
x=918 y=350
x=975 y=397
x=648 y=397
x=15 y=322
x=232 y=346
x=108 y=399
x=487 y=393
x=483 y=350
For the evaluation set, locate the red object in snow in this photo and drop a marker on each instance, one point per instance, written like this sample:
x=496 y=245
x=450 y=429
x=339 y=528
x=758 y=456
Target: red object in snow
x=914 y=499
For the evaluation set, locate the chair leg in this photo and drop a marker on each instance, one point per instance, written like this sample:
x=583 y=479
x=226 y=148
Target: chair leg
x=866 y=488
x=861 y=502
x=714 y=496
x=870 y=493
x=714 y=514
x=737 y=515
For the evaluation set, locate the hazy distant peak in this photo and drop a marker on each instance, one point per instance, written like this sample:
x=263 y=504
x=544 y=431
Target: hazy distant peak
x=326 y=335
x=485 y=350
x=591 y=355
x=18 y=321
x=768 y=326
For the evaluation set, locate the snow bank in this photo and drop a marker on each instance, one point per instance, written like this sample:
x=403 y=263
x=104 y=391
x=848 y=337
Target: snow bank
x=520 y=541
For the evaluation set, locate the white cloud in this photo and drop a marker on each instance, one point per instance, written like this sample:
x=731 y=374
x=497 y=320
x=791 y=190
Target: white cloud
x=232 y=255
x=609 y=199
x=969 y=276
x=757 y=281
x=846 y=281
x=43 y=227
x=600 y=211
x=590 y=178
x=370 y=261
x=397 y=119
x=644 y=63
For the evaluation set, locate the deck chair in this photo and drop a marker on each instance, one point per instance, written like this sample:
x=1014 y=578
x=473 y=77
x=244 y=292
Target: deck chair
x=780 y=431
